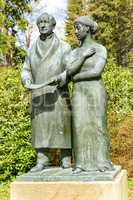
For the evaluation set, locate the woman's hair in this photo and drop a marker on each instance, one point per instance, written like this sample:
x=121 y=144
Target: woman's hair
x=48 y=17
x=88 y=21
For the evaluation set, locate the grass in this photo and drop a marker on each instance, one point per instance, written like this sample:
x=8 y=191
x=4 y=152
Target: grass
x=130 y=186
x=5 y=190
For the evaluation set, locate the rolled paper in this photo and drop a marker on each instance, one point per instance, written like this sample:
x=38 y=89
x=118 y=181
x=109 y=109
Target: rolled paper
x=38 y=86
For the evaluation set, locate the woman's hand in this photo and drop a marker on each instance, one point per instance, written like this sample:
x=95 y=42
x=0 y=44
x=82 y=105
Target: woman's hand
x=89 y=52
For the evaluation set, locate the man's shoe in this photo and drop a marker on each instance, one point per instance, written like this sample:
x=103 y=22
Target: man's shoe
x=38 y=168
x=42 y=161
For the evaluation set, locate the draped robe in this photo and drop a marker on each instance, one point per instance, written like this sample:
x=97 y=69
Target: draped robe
x=50 y=106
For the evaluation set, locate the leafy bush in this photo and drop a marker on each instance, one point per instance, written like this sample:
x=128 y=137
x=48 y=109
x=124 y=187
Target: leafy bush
x=16 y=153
x=118 y=85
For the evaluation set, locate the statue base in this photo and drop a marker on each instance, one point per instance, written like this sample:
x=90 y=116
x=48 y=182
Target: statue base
x=59 y=174
x=70 y=190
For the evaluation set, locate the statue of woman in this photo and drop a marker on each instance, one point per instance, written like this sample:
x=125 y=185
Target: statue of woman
x=85 y=66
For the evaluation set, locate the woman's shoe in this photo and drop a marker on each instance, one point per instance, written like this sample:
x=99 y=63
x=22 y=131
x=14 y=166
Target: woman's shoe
x=77 y=170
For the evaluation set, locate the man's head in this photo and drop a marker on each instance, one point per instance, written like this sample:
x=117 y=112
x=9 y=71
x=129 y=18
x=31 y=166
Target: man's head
x=46 y=23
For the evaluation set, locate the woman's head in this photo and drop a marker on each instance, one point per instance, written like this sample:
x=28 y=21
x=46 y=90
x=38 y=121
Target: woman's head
x=84 y=25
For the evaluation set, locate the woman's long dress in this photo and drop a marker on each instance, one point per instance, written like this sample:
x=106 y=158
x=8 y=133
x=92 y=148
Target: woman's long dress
x=90 y=136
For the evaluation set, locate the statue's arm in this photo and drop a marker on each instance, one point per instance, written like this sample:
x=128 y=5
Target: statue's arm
x=68 y=73
x=26 y=76
x=77 y=64
x=72 y=68
x=94 y=72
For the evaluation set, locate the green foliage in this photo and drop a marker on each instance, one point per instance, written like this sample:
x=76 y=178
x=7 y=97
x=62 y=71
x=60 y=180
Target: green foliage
x=16 y=153
x=10 y=16
x=115 y=28
x=22 y=24
x=19 y=56
x=130 y=184
x=75 y=9
x=4 y=190
x=6 y=43
x=14 y=10
x=118 y=84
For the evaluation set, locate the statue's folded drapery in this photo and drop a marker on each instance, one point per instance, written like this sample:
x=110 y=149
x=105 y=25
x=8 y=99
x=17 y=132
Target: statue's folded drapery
x=90 y=136
x=50 y=106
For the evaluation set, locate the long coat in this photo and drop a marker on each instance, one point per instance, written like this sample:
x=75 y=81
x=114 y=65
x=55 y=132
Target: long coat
x=90 y=136
x=50 y=106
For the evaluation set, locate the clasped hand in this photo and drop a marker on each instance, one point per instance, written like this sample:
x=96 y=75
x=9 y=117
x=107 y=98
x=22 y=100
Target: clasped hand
x=89 y=52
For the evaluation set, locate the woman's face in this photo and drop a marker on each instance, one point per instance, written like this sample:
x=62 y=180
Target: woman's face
x=81 y=30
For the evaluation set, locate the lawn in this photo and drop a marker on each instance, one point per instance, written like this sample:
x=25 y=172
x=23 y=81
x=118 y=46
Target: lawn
x=5 y=190
x=130 y=186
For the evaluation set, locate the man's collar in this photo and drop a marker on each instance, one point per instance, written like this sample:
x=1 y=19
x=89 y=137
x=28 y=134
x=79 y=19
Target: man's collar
x=43 y=38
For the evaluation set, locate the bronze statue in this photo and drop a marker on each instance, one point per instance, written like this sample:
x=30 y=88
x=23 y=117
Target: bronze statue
x=50 y=106
x=49 y=66
x=84 y=67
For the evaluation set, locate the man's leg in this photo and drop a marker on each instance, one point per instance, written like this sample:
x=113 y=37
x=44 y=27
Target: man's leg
x=42 y=160
x=66 y=158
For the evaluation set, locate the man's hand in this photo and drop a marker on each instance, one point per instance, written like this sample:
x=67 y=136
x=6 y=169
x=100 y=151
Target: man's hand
x=59 y=80
x=54 y=80
x=27 y=83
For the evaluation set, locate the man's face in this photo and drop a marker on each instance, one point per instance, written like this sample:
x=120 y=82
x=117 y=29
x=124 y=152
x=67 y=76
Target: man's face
x=45 y=26
x=81 y=30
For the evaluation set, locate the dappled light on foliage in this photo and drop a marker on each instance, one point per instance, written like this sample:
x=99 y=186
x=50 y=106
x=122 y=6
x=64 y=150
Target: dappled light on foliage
x=11 y=16
x=16 y=153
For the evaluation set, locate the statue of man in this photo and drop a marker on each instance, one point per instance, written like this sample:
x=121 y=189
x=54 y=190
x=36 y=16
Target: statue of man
x=50 y=106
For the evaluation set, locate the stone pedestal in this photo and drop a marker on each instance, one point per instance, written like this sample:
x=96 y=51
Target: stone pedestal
x=72 y=190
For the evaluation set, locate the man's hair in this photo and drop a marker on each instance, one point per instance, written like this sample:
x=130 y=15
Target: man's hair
x=48 y=17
